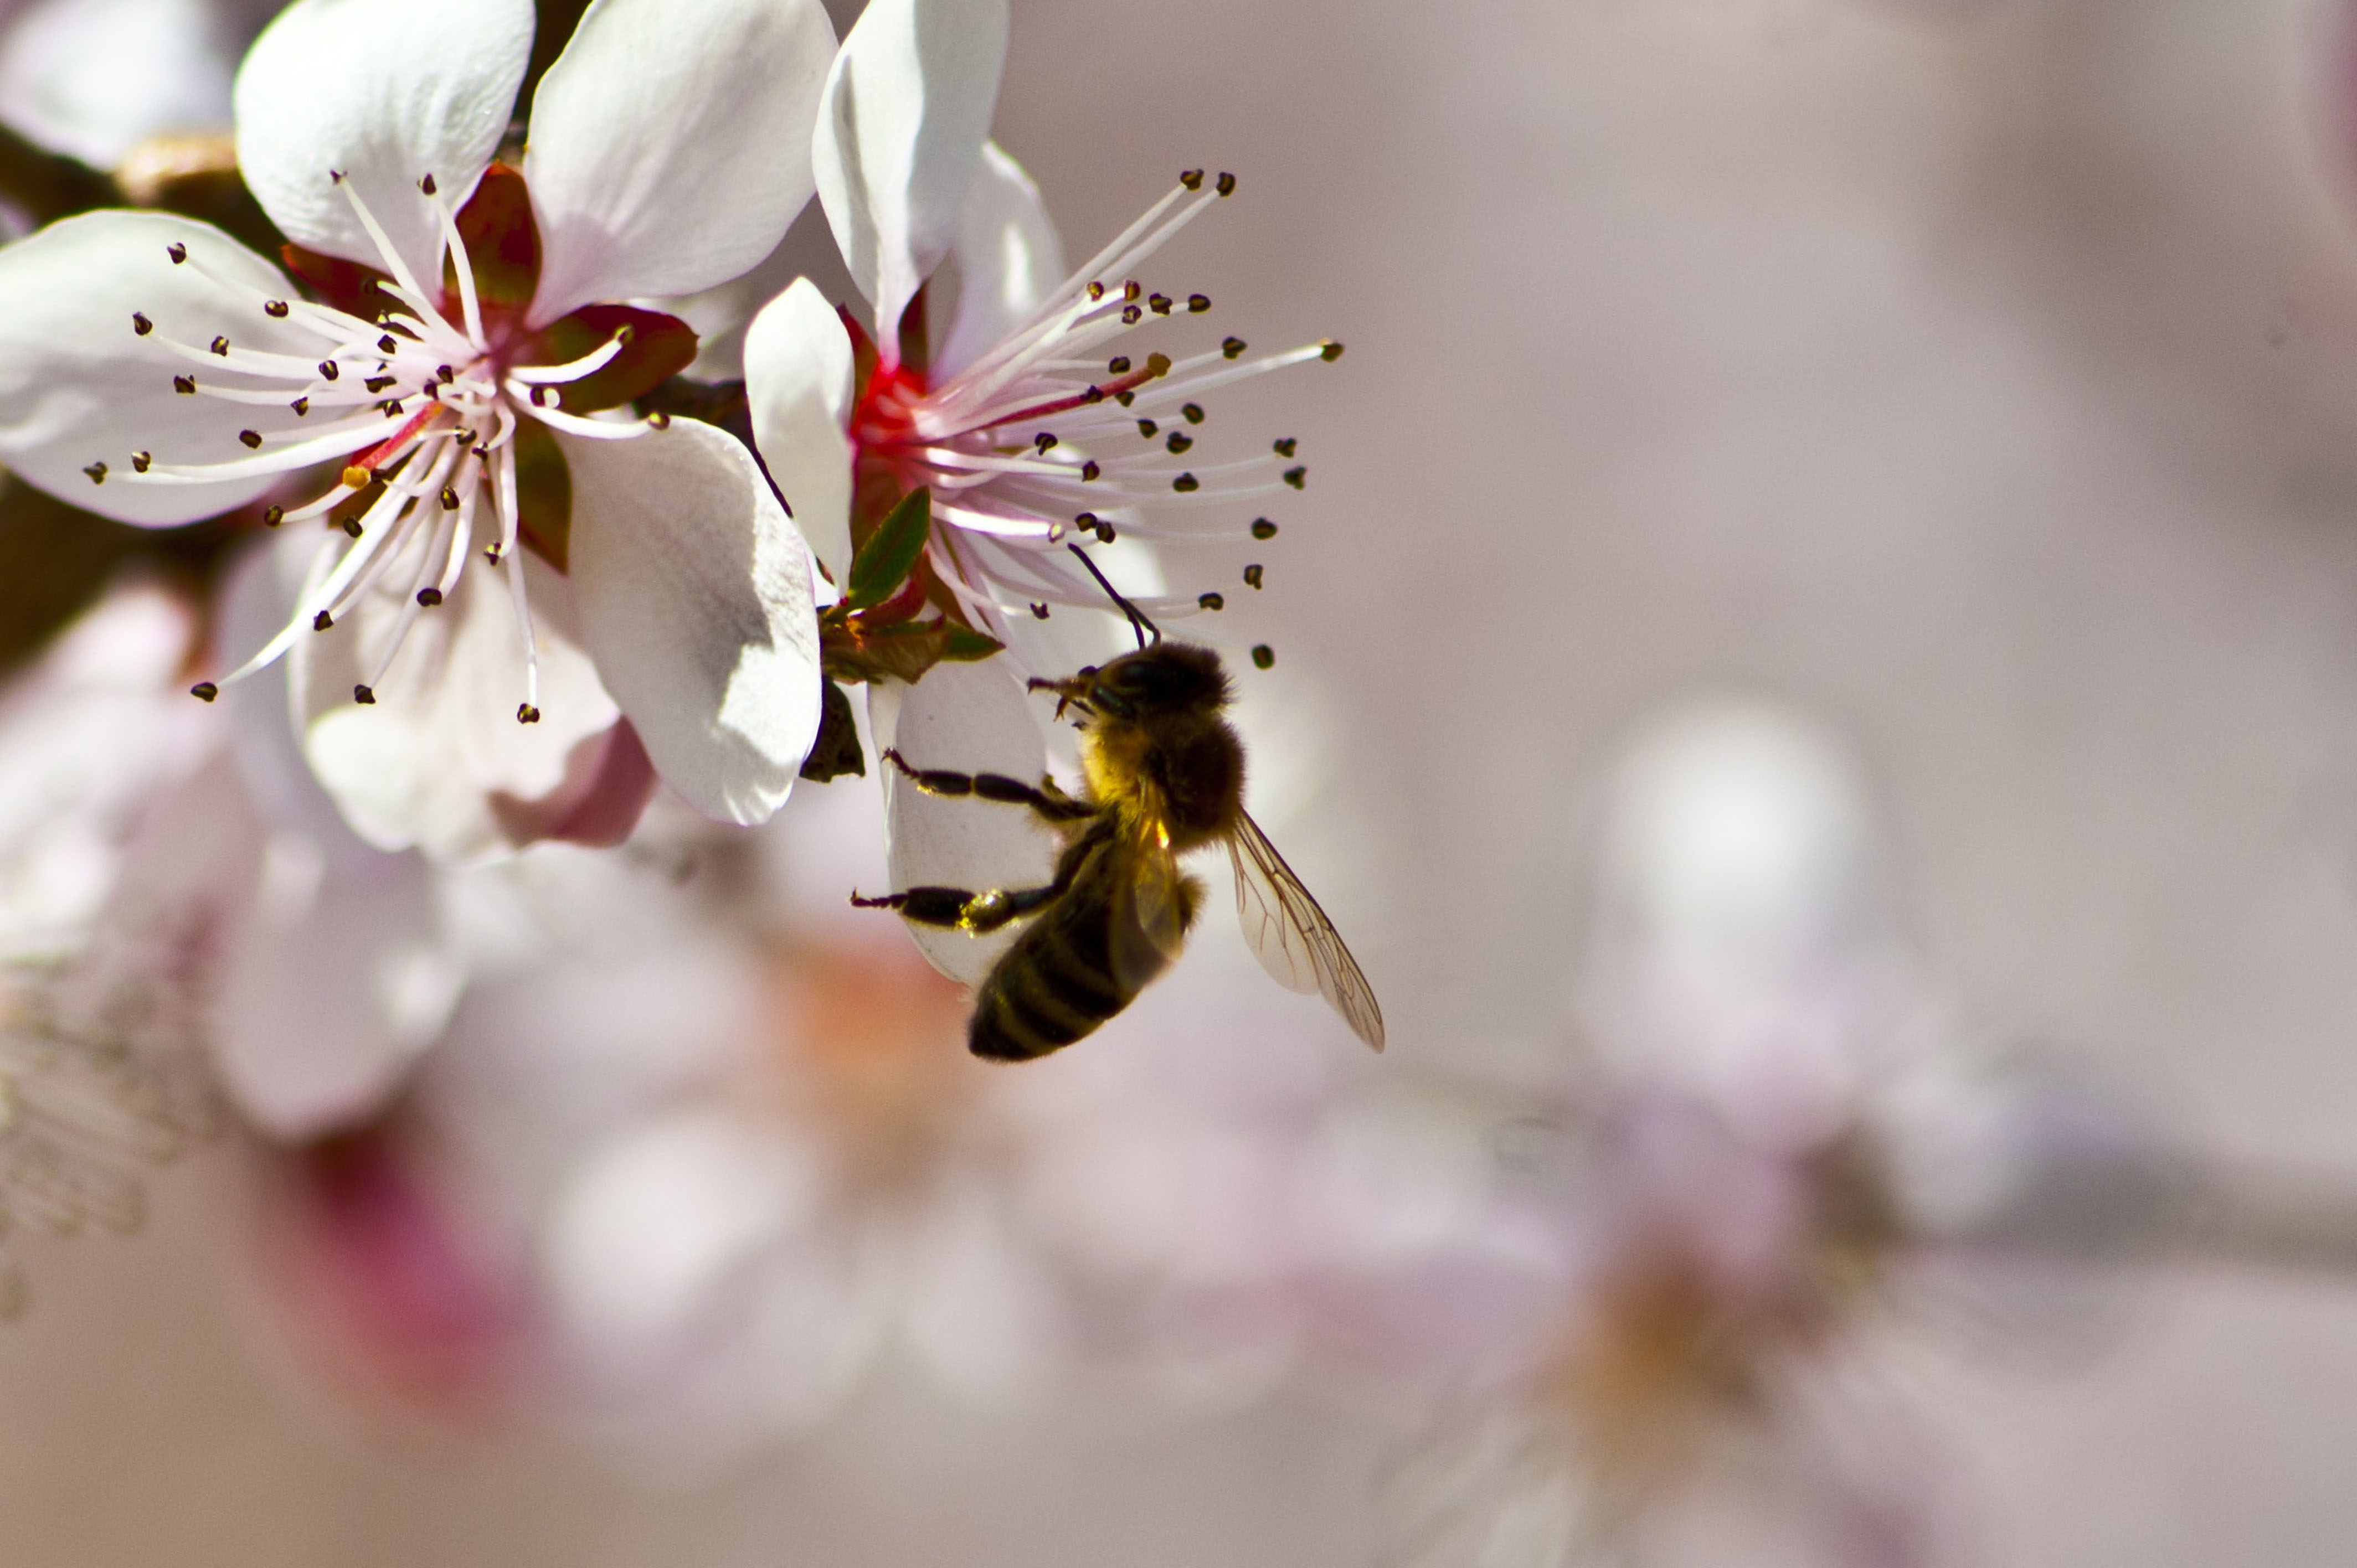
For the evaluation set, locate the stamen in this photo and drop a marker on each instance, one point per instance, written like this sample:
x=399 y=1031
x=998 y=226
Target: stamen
x=1262 y=656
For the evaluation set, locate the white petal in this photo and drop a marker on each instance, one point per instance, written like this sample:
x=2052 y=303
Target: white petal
x=1007 y=259
x=973 y=718
x=335 y=981
x=797 y=378
x=671 y=144
x=695 y=601
x=438 y=760
x=79 y=385
x=899 y=134
x=95 y=78
x=384 y=93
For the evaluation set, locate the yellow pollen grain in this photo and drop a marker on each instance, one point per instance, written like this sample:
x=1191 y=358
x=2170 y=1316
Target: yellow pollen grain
x=357 y=478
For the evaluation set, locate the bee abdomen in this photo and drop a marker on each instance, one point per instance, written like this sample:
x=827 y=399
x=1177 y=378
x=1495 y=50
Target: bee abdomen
x=1055 y=985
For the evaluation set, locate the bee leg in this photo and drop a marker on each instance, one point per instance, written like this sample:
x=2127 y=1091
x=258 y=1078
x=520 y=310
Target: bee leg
x=1057 y=806
x=960 y=910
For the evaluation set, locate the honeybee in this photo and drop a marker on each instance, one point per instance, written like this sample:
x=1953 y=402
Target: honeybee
x=1165 y=775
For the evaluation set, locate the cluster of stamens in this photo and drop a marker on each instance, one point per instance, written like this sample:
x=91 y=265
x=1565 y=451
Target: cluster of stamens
x=1042 y=442
x=423 y=411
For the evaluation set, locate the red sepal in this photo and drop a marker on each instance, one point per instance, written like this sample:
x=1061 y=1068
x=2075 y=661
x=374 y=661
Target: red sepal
x=347 y=285
x=660 y=348
x=503 y=243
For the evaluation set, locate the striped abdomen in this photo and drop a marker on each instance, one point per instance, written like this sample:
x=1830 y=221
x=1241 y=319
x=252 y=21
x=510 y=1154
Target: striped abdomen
x=1083 y=959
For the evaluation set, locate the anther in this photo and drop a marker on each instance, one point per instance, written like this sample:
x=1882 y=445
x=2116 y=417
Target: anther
x=322 y=621
x=391 y=406
x=97 y=472
x=389 y=344
x=352 y=526
x=272 y=516
x=450 y=497
x=484 y=453
x=363 y=696
x=1264 y=656
x=1186 y=483
x=1198 y=302
x=1252 y=576
x=1263 y=529
x=329 y=370
x=1191 y=178
x=1118 y=365
x=1297 y=475
x=1096 y=291
x=185 y=385
x=355 y=477
x=1158 y=303
x=1131 y=291
x=1225 y=185
x=301 y=405
x=140 y=324
x=443 y=373
x=1045 y=441
x=1232 y=347
x=1095 y=394
x=220 y=346
x=1157 y=364
x=1285 y=448
x=1180 y=441
x=1146 y=427
x=252 y=439
x=1039 y=612
x=1131 y=316
x=178 y=252
x=526 y=714
x=1329 y=350
x=1088 y=470
x=1084 y=520
x=491 y=554
x=429 y=597
x=426 y=185
x=624 y=333
x=540 y=397
x=1124 y=398
x=1210 y=601
x=140 y=460
x=659 y=420
x=1104 y=533
x=204 y=691
x=378 y=384
x=275 y=308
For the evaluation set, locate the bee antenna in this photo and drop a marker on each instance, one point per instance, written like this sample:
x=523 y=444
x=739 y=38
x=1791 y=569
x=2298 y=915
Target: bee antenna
x=1137 y=621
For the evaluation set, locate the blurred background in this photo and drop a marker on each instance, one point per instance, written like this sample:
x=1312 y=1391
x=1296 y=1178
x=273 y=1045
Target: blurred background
x=1975 y=377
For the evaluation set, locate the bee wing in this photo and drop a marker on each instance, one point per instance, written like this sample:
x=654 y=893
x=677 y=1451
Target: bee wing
x=1291 y=935
x=1151 y=920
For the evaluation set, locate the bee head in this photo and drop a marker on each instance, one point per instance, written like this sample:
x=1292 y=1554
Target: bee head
x=1164 y=677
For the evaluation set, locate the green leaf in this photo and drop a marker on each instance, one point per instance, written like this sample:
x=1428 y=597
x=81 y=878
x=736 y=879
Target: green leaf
x=885 y=562
x=967 y=646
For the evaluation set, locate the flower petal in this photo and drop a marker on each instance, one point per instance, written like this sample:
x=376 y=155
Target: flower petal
x=438 y=760
x=1007 y=259
x=671 y=144
x=799 y=380
x=95 y=78
x=971 y=718
x=336 y=979
x=695 y=601
x=384 y=94
x=899 y=134
x=79 y=384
